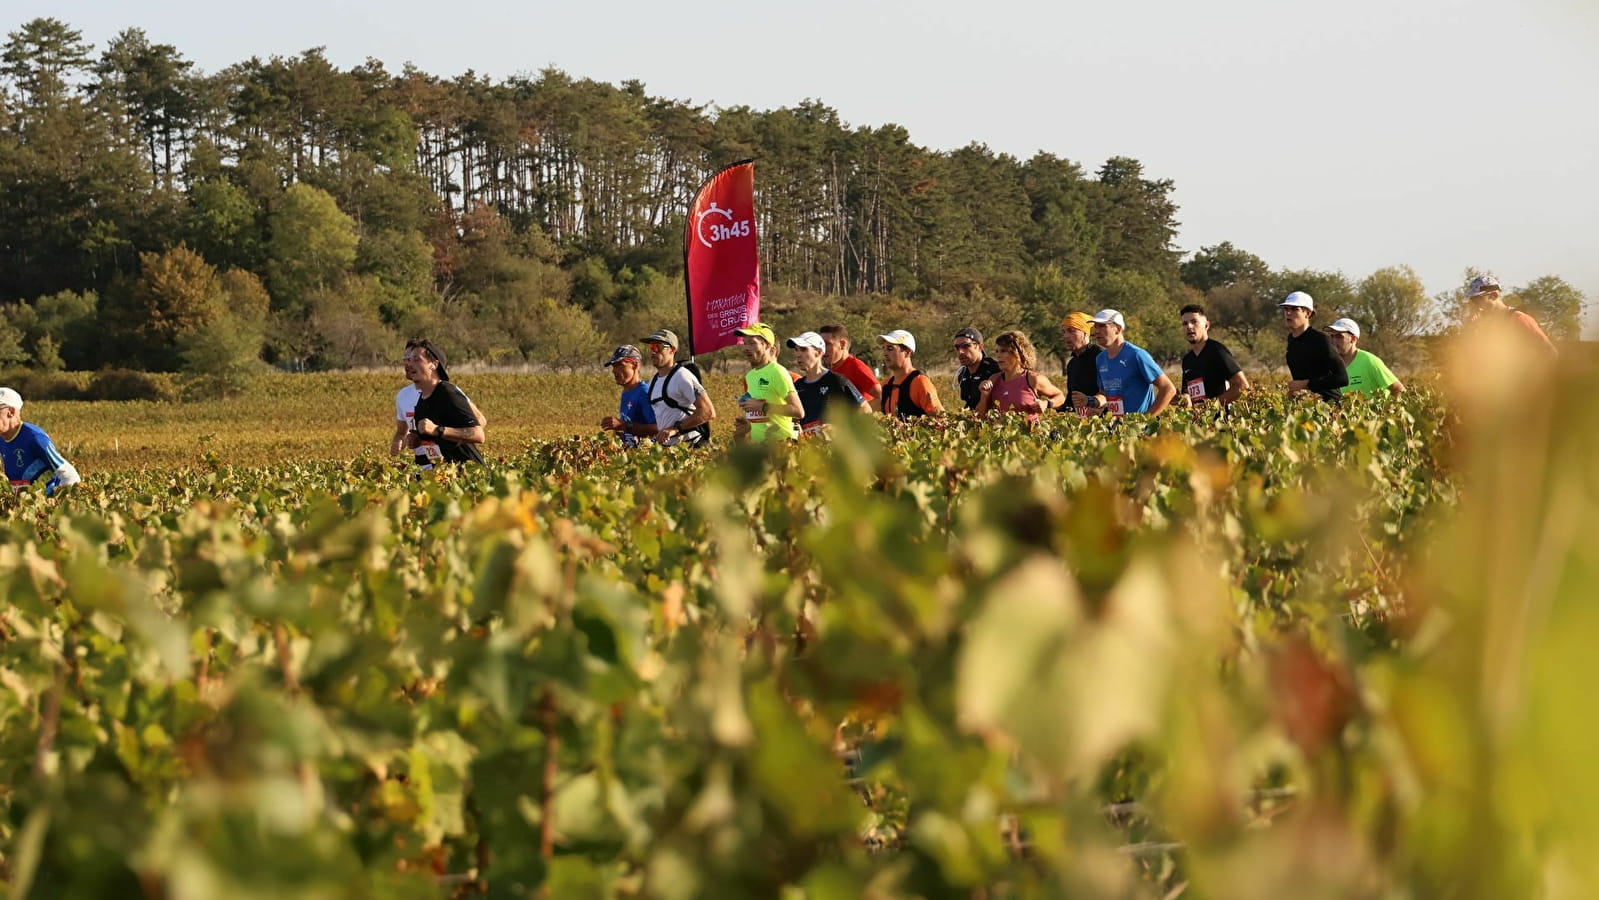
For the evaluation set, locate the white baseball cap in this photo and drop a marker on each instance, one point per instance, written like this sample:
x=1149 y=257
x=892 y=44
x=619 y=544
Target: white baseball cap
x=808 y=339
x=1109 y=317
x=1299 y=299
x=900 y=337
x=11 y=398
x=1347 y=326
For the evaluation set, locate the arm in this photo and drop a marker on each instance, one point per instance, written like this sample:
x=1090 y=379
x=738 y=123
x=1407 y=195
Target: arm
x=704 y=411
x=1164 y=392
x=397 y=443
x=1333 y=374
x=926 y=395
x=795 y=406
x=1396 y=388
x=985 y=398
x=1236 y=385
x=1047 y=391
x=482 y=420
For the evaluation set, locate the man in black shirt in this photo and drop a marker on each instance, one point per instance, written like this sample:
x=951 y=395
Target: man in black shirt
x=1209 y=370
x=446 y=429
x=823 y=392
x=1082 y=372
x=976 y=366
x=1313 y=362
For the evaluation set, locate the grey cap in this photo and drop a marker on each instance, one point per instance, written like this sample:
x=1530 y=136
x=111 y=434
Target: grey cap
x=664 y=336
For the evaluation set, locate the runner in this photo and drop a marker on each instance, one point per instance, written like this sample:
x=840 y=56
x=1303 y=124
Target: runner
x=907 y=393
x=405 y=400
x=30 y=454
x=1129 y=379
x=683 y=408
x=1209 y=369
x=976 y=366
x=1367 y=373
x=444 y=428
x=1082 y=369
x=1018 y=387
x=1312 y=362
x=770 y=402
x=635 y=417
x=826 y=394
x=837 y=357
x=1487 y=304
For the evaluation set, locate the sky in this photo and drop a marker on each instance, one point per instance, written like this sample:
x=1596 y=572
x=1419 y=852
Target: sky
x=1438 y=134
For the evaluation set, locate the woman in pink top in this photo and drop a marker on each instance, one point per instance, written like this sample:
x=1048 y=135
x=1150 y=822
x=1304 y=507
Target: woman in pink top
x=1017 y=388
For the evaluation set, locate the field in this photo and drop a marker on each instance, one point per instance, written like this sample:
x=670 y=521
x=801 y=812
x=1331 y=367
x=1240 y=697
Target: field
x=305 y=417
x=1281 y=653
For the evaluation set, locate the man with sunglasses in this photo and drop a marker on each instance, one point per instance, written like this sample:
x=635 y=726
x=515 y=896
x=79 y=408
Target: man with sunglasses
x=976 y=366
x=444 y=427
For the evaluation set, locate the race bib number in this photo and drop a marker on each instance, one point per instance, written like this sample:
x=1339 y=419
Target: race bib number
x=1084 y=411
x=431 y=451
x=812 y=429
x=1115 y=405
x=754 y=418
x=1196 y=389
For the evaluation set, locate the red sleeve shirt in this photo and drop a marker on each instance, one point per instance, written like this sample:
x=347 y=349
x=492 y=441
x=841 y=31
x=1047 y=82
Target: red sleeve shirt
x=859 y=375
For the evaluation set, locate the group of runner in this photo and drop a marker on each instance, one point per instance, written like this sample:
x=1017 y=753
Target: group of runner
x=1105 y=375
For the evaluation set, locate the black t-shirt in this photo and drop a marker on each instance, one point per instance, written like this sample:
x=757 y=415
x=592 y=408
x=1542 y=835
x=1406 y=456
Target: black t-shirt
x=1082 y=372
x=448 y=407
x=971 y=385
x=1311 y=357
x=1205 y=375
x=824 y=396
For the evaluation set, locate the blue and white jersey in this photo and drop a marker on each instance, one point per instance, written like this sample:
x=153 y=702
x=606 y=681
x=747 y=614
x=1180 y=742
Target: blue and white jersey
x=31 y=455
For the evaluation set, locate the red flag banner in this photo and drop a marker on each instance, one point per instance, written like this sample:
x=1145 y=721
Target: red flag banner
x=722 y=269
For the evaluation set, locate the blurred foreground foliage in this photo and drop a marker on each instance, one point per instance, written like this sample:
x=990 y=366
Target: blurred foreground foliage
x=1282 y=653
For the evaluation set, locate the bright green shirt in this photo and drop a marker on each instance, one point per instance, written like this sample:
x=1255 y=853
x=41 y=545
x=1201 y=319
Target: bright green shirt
x=773 y=384
x=1368 y=374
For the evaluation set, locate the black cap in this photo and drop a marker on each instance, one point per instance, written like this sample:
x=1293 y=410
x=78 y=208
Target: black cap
x=428 y=347
x=970 y=334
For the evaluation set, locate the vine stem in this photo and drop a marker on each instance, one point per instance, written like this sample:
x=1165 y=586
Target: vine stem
x=51 y=721
x=552 y=743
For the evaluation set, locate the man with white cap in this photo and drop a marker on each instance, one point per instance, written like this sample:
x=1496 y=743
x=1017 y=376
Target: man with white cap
x=634 y=418
x=1313 y=364
x=1367 y=373
x=825 y=393
x=1487 y=304
x=1130 y=381
x=770 y=402
x=29 y=452
x=907 y=392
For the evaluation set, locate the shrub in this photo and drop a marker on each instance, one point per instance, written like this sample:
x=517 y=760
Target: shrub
x=125 y=384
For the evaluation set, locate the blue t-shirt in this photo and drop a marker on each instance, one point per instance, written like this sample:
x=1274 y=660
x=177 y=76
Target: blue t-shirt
x=636 y=409
x=1128 y=381
x=31 y=457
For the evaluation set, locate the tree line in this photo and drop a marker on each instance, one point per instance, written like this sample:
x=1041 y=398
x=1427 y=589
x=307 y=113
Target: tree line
x=286 y=211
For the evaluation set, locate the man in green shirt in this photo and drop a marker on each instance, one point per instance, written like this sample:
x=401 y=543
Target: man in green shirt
x=1367 y=373
x=770 y=402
